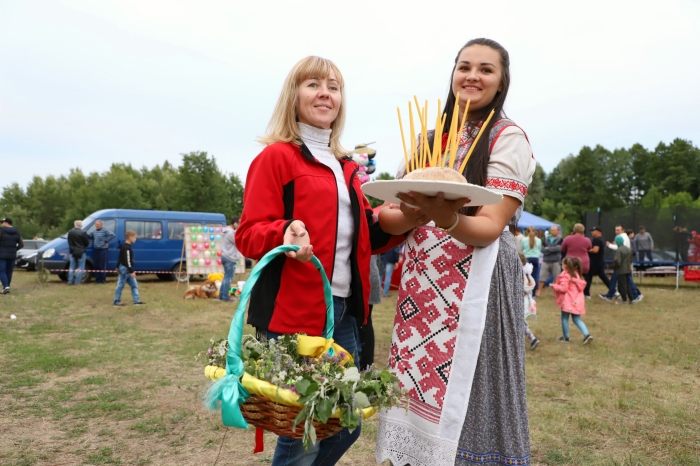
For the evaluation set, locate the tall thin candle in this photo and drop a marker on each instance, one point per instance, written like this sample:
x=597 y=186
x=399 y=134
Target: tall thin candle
x=471 y=149
x=413 y=139
x=461 y=128
x=403 y=139
x=437 y=137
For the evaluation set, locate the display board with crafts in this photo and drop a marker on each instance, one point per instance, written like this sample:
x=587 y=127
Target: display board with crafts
x=202 y=249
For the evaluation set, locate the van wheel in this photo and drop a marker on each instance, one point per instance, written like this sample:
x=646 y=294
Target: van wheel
x=87 y=276
x=179 y=272
x=63 y=276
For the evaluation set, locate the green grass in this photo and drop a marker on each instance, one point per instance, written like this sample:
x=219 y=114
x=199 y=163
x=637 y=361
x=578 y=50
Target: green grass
x=84 y=383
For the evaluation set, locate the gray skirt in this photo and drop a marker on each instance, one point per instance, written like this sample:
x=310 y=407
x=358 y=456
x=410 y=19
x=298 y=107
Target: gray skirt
x=495 y=429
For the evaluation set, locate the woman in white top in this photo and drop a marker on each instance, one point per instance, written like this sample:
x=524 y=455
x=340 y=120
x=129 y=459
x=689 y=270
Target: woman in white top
x=302 y=189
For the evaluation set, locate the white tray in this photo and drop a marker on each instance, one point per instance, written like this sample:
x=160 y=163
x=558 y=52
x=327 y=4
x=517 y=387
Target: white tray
x=386 y=190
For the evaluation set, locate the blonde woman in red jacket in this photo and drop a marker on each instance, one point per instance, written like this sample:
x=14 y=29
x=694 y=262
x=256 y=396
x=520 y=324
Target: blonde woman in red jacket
x=303 y=189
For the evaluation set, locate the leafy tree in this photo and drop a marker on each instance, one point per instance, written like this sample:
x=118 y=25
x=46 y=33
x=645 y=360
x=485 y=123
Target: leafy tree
x=556 y=182
x=562 y=213
x=47 y=201
x=201 y=185
x=536 y=191
x=234 y=191
x=616 y=190
x=653 y=198
x=157 y=186
x=681 y=199
x=676 y=168
x=641 y=160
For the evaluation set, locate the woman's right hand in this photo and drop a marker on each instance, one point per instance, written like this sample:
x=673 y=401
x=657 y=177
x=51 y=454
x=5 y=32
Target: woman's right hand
x=296 y=234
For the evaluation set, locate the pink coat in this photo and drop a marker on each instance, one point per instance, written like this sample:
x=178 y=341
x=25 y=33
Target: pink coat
x=568 y=292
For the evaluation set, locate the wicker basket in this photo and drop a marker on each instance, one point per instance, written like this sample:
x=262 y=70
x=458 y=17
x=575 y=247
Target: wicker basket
x=261 y=411
x=268 y=415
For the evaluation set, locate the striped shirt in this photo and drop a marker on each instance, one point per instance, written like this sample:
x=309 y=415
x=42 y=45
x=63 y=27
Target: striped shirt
x=101 y=238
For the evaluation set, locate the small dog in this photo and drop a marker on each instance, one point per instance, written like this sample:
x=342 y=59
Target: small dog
x=206 y=290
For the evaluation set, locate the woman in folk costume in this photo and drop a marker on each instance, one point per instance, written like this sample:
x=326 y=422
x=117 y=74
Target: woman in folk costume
x=457 y=337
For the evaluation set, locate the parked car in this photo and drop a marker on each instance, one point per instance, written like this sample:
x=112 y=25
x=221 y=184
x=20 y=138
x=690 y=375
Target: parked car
x=159 y=247
x=666 y=266
x=28 y=252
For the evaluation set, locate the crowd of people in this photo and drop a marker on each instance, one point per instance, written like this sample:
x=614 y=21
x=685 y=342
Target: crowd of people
x=547 y=255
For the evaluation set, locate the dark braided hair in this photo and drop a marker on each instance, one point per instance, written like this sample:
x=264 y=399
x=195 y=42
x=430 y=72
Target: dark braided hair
x=476 y=169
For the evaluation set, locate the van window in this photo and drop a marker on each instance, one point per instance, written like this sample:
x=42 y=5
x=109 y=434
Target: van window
x=109 y=224
x=145 y=230
x=176 y=230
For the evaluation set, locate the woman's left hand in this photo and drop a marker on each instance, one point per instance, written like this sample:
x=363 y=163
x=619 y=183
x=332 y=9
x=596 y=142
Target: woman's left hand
x=440 y=210
x=413 y=214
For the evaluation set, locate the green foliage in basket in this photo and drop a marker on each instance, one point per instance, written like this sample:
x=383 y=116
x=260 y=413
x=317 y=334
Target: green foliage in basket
x=323 y=384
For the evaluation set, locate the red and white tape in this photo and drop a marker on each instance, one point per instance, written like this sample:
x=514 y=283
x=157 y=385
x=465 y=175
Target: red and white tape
x=116 y=271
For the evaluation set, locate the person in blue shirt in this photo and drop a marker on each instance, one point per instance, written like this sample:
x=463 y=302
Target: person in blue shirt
x=100 y=243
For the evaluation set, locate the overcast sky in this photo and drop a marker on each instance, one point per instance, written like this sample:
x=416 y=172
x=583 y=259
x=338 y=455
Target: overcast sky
x=87 y=83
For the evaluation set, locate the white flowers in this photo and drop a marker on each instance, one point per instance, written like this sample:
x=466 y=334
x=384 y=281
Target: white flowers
x=351 y=375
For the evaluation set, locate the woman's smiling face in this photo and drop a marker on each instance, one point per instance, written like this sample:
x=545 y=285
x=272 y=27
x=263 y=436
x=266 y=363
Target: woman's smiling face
x=319 y=101
x=477 y=76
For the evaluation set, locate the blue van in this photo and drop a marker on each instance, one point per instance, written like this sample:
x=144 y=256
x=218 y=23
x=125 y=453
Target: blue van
x=158 y=248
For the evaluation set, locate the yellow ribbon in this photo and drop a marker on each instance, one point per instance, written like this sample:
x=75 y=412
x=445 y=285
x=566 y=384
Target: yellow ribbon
x=214 y=372
x=317 y=346
x=282 y=396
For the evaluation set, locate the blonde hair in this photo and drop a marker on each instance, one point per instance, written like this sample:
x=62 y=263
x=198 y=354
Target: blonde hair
x=130 y=234
x=283 y=124
x=579 y=228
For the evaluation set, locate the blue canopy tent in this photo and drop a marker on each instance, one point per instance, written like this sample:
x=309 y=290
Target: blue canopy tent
x=527 y=219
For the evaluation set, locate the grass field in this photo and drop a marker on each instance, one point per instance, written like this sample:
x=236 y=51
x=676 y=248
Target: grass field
x=82 y=382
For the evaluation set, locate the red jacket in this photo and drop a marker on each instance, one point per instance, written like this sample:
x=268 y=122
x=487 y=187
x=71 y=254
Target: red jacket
x=285 y=182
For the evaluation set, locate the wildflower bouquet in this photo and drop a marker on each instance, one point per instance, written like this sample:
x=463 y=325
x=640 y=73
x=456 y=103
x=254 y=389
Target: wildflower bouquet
x=215 y=355
x=326 y=386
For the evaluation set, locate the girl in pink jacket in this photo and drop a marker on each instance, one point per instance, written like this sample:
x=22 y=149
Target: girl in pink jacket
x=568 y=291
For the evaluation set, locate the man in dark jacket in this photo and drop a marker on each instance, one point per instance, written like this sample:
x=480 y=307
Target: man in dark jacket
x=551 y=257
x=10 y=242
x=78 y=241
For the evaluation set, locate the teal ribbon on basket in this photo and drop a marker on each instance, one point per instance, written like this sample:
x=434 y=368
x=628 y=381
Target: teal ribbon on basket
x=228 y=390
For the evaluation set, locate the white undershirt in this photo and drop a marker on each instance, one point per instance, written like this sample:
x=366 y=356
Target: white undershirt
x=317 y=140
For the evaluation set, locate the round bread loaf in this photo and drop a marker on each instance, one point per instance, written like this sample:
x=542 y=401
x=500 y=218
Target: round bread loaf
x=436 y=174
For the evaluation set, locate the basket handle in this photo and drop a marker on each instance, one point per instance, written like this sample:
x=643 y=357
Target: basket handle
x=234 y=363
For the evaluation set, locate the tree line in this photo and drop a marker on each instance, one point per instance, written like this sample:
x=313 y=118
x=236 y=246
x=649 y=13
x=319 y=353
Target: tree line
x=598 y=178
x=48 y=206
x=595 y=178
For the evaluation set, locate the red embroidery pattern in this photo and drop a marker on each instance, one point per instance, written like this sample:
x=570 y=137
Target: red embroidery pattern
x=507 y=184
x=434 y=276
